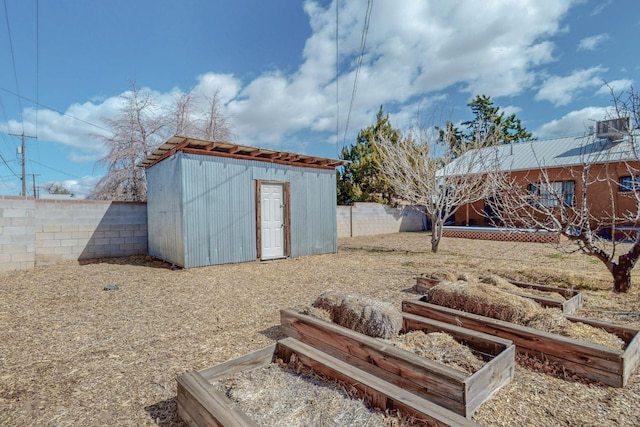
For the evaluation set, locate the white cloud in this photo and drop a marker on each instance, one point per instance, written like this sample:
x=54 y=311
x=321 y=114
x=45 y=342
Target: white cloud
x=600 y=7
x=617 y=86
x=592 y=42
x=575 y=121
x=562 y=90
x=414 y=51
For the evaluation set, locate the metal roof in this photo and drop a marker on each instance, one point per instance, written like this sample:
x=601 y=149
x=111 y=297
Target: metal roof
x=545 y=154
x=228 y=149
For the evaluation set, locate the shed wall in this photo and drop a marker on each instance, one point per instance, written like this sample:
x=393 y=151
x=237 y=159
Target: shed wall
x=219 y=208
x=164 y=211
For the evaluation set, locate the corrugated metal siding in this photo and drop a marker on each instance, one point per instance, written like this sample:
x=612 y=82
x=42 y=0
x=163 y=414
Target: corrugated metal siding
x=218 y=211
x=164 y=213
x=544 y=154
x=219 y=208
x=313 y=214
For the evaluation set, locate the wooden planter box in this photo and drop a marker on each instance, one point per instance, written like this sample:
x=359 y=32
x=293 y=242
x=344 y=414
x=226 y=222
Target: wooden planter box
x=452 y=389
x=573 y=302
x=612 y=367
x=200 y=404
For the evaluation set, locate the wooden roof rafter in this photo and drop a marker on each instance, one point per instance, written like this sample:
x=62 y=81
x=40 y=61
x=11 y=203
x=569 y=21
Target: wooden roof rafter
x=236 y=151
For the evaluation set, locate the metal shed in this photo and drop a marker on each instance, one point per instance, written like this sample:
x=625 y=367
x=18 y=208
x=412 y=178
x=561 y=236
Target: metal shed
x=214 y=203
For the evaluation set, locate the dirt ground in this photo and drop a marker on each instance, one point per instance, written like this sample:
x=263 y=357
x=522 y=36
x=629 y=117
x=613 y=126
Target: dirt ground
x=73 y=354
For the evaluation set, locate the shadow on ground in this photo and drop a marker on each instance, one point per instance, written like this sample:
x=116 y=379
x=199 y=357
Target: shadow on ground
x=165 y=413
x=273 y=332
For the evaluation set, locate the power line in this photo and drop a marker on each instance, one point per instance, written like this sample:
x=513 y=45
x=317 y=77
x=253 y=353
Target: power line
x=337 y=76
x=54 y=169
x=363 y=42
x=13 y=62
x=37 y=59
x=54 y=110
x=8 y=167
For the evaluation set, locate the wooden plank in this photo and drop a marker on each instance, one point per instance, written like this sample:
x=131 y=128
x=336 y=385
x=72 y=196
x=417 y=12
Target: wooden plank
x=301 y=326
x=572 y=304
x=432 y=380
x=192 y=412
x=379 y=393
x=631 y=358
x=202 y=405
x=494 y=375
x=624 y=333
x=593 y=361
x=248 y=362
x=567 y=293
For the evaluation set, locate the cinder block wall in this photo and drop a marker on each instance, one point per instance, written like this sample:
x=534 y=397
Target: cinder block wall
x=365 y=219
x=17 y=229
x=344 y=221
x=37 y=232
x=70 y=230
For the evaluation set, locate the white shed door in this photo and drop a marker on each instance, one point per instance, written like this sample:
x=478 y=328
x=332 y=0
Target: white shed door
x=272 y=220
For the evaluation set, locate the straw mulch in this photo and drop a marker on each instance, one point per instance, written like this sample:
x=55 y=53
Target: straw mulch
x=382 y=320
x=442 y=348
x=274 y=396
x=362 y=314
x=505 y=285
x=73 y=354
x=491 y=301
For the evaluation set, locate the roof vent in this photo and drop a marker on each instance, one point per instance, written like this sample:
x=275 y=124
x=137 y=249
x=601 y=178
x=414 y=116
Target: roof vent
x=612 y=129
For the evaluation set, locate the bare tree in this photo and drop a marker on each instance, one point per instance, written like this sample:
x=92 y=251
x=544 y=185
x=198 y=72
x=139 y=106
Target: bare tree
x=216 y=123
x=422 y=171
x=595 y=199
x=199 y=115
x=142 y=125
x=57 y=188
x=136 y=132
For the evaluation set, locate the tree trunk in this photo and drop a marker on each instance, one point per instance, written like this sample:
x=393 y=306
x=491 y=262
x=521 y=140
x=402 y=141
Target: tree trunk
x=622 y=276
x=436 y=233
x=435 y=241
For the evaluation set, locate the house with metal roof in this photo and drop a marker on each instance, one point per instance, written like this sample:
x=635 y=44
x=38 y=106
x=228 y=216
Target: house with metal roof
x=211 y=202
x=611 y=157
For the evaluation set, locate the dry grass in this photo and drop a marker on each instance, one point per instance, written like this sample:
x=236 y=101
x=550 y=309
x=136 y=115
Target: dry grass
x=482 y=299
x=73 y=354
x=362 y=314
x=277 y=397
x=441 y=347
x=493 y=301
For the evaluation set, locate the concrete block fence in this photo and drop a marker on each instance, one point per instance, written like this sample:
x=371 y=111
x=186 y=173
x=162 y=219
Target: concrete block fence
x=38 y=232
x=365 y=219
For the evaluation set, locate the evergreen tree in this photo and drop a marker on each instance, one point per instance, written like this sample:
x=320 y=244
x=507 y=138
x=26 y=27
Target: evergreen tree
x=489 y=124
x=361 y=180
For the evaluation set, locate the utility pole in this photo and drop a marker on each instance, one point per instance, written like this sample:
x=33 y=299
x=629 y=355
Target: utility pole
x=33 y=180
x=23 y=161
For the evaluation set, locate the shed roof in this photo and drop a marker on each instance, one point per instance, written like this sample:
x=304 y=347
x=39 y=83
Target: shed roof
x=545 y=154
x=235 y=151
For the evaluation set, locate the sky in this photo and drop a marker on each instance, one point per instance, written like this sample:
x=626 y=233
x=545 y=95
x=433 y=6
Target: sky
x=286 y=83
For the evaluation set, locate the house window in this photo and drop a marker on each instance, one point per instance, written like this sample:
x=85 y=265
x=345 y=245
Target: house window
x=551 y=194
x=629 y=183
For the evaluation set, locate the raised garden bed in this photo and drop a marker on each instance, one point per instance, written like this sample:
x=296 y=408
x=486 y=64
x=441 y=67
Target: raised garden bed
x=201 y=404
x=573 y=300
x=452 y=389
x=612 y=367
